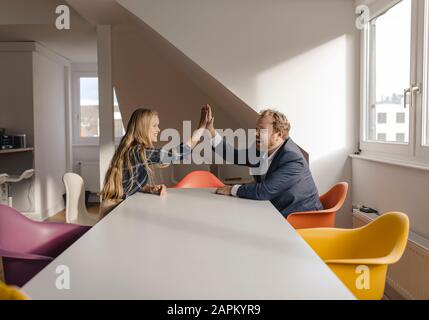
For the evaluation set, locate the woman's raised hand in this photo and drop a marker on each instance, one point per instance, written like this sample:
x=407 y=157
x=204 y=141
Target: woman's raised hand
x=206 y=122
x=204 y=117
x=207 y=119
x=210 y=123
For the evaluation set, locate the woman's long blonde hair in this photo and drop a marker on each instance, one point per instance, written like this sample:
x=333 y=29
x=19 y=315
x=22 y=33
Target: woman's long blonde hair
x=137 y=133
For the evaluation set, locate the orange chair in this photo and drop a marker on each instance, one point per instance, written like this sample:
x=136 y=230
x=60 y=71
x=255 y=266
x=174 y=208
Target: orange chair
x=332 y=201
x=200 y=179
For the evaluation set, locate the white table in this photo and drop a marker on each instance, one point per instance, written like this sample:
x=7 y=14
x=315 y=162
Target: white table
x=192 y=244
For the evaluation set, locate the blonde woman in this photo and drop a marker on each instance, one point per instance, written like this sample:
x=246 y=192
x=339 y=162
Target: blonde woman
x=130 y=168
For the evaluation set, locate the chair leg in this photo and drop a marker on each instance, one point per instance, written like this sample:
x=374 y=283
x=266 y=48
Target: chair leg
x=9 y=195
x=3 y=193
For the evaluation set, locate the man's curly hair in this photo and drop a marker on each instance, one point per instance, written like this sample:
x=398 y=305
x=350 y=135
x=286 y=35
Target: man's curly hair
x=280 y=122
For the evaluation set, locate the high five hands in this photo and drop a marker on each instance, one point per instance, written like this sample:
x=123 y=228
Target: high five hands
x=207 y=122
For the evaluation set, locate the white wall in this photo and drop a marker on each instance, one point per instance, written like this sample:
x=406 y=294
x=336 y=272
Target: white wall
x=299 y=56
x=32 y=87
x=49 y=134
x=16 y=116
x=388 y=187
x=16 y=91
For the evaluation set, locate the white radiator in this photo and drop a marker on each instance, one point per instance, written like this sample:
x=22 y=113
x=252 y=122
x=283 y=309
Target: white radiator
x=90 y=173
x=409 y=277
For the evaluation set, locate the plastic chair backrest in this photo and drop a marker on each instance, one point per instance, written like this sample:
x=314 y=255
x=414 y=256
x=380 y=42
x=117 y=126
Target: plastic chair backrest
x=385 y=237
x=75 y=196
x=200 y=179
x=332 y=201
x=335 y=197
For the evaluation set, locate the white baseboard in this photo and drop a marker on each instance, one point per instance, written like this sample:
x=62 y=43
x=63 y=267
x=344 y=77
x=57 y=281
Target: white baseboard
x=32 y=215
x=59 y=206
x=45 y=213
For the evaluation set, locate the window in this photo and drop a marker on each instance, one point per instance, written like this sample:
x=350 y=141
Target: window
x=381 y=117
x=400 y=137
x=86 y=125
x=389 y=67
x=400 y=117
x=89 y=126
x=381 y=136
x=425 y=109
x=395 y=108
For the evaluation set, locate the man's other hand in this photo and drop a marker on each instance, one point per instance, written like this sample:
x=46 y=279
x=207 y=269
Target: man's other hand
x=226 y=191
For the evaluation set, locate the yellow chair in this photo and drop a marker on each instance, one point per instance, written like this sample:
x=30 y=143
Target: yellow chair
x=359 y=257
x=11 y=293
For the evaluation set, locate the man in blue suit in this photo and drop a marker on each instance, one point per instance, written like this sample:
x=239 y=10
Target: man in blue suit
x=288 y=182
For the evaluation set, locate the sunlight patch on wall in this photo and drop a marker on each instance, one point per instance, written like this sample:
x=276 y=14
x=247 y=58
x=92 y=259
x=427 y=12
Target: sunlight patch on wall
x=311 y=90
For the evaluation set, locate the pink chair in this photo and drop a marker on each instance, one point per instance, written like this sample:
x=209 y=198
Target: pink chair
x=27 y=246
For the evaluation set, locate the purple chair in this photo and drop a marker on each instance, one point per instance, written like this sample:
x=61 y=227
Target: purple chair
x=28 y=246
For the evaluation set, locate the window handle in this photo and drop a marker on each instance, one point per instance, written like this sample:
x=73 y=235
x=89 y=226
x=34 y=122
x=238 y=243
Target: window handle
x=406 y=91
x=415 y=88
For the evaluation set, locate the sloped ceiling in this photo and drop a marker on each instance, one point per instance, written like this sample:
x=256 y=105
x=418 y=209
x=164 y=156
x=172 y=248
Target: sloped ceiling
x=142 y=77
x=229 y=107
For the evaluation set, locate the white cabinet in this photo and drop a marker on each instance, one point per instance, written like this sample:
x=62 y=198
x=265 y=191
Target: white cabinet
x=33 y=89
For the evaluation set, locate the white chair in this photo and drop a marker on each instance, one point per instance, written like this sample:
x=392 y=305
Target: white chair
x=9 y=179
x=76 y=212
x=3 y=179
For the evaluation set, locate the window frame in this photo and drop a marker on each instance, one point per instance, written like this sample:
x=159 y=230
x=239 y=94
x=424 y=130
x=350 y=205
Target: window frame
x=81 y=71
x=76 y=75
x=412 y=151
x=422 y=150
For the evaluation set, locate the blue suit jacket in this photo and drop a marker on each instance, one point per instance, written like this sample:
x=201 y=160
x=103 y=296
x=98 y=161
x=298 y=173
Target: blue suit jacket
x=288 y=183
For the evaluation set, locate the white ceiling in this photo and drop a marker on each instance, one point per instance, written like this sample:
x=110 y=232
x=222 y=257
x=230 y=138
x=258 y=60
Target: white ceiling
x=75 y=46
x=34 y=20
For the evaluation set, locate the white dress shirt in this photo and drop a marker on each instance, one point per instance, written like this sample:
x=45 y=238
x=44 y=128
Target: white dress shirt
x=218 y=139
